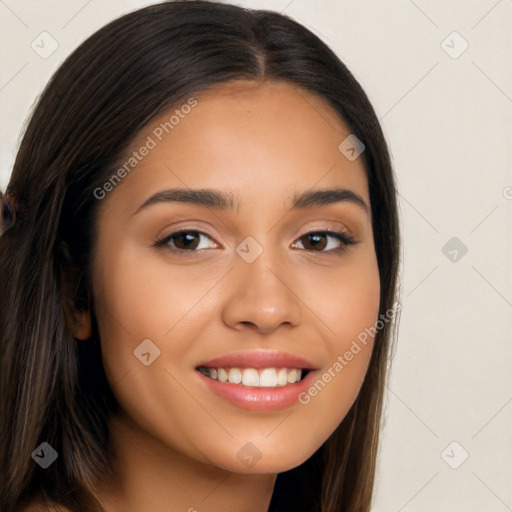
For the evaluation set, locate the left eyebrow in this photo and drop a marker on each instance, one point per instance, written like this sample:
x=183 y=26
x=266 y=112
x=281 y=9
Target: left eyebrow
x=311 y=198
x=220 y=200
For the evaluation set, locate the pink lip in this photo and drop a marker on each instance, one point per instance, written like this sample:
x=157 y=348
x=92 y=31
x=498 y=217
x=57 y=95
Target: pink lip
x=259 y=359
x=259 y=399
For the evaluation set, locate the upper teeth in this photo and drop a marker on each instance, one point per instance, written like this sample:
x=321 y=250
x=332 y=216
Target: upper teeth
x=266 y=377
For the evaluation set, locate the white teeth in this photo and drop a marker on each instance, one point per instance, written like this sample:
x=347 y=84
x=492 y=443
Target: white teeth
x=235 y=375
x=264 y=378
x=268 y=378
x=250 y=377
x=293 y=376
x=282 y=377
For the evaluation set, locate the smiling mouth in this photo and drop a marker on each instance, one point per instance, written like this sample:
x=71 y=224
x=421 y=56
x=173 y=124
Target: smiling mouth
x=252 y=377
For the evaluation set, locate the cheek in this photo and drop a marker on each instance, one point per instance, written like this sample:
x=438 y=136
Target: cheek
x=134 y=303
x=350 y=311
x=349 y=301
x=145 y=298
x=140 y=299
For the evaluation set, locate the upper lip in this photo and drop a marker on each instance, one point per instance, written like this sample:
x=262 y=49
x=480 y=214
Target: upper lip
x=259 y=359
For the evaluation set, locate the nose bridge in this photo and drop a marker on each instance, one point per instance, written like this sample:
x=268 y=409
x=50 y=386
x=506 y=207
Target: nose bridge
x=262 y=274
x=261 y=291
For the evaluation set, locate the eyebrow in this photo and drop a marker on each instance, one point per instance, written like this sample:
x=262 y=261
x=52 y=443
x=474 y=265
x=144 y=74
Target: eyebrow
x=220 y=200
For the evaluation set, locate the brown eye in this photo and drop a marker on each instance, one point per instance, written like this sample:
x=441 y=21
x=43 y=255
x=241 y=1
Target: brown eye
x=315 y=241
x=184 y=241
x=320 y=241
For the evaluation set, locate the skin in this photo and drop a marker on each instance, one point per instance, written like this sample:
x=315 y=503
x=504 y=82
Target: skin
x=176 y=441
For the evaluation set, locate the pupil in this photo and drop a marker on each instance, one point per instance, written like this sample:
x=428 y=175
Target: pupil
x=187 y=239
x=315 y=239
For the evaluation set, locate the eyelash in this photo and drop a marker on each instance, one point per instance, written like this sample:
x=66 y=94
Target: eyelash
x=345 y=239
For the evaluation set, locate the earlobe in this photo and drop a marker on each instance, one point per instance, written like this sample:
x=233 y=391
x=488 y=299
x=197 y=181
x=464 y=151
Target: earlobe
x=82 y=329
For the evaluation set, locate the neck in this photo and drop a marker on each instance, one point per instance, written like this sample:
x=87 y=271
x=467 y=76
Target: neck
x=153 y=476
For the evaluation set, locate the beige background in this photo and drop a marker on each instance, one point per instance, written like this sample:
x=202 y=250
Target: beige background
x=449 y=122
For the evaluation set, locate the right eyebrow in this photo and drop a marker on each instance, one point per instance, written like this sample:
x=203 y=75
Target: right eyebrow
x=210 y=198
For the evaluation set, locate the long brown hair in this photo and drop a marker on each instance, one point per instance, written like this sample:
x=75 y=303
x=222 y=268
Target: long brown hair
x=53 y=388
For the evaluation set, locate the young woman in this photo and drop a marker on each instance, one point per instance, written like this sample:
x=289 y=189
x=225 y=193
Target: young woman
x=198 y=260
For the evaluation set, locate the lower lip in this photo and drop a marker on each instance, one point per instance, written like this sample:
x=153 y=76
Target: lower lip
x=259 y=399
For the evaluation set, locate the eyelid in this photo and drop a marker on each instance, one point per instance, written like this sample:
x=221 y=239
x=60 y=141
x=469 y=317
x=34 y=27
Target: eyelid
x=324 y=227
x=172 y=230
x=163 y=240
x=328 y=226
x=342 y=234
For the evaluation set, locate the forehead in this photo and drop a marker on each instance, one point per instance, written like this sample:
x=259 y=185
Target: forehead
x=255 y=139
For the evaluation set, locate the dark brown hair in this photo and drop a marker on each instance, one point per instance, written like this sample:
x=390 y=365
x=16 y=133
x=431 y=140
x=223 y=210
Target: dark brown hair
x=53 y=388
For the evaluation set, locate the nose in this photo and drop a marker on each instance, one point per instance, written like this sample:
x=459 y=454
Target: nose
x=261 y=297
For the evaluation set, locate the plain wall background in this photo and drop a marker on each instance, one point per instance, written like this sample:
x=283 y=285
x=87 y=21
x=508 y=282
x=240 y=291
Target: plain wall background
x=448 y=120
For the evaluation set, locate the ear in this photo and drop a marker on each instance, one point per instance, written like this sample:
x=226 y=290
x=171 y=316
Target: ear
x=82 y=325
x=76 y=302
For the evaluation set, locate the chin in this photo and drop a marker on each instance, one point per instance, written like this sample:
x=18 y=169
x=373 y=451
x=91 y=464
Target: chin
x=250 y=460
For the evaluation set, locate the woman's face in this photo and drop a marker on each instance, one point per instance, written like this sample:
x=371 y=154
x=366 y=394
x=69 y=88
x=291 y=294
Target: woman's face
x=266 y=287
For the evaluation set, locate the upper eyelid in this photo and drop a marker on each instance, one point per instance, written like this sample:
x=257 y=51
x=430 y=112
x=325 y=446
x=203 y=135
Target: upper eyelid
x=334 y=226
x=329 y=231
